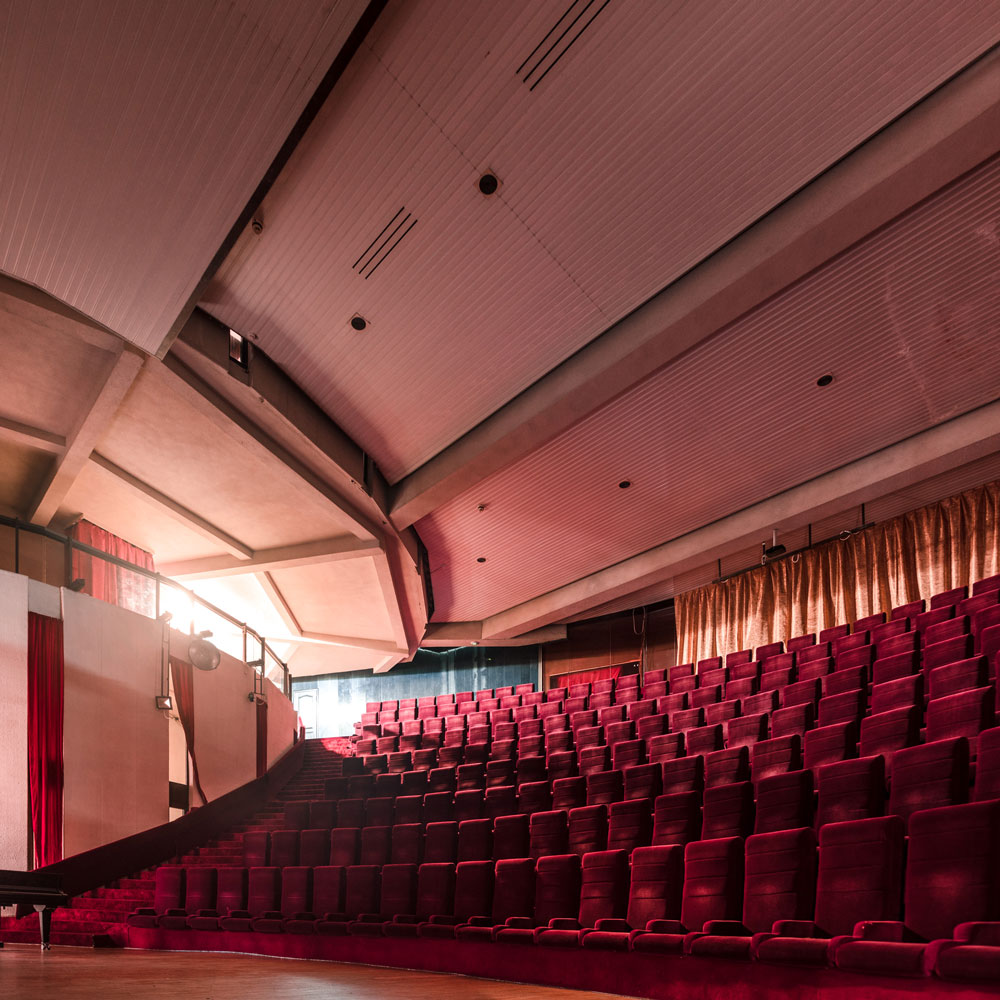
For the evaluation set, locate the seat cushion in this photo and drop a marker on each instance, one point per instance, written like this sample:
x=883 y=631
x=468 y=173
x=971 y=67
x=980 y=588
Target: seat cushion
x=969 y=961
x=660 y=944
x=515 y=935
x=794 y=951
x=721 y=946
x=556 y=938
x=887 y=958
x=607 y=940
x=469 y=933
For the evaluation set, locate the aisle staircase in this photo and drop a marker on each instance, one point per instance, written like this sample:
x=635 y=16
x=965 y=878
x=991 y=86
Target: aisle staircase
x=97 y=918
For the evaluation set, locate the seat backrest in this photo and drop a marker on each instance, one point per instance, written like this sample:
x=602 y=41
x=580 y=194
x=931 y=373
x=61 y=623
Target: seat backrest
x=777 y=755
x=860 y=872
x=363 y=884
x=988 y=766
x=441 y=842
x=435 y=889
x=664 y=747
x=952 y=874
x=475 y=840
x=780 y=878
x=928 y=776
x=263 y=890
x=629 y=824
x=329 y=882
x=557 y=887
x=910 y=610
x=588 y=829
x=398 y=894
x=713 y=881
x=727 y=811
x=296 y=890
x=407 y=843
x=514 y=889
x=168 y=891
x=676 y=818
x=376 y=843
x=723 y=767
x=903 y=692
x=966 y=713
x=256 y=848
x=656 y=885
x=548 y=833
x=644 y=781
x=784 y=802
x=201 y=889
x=510 y=837
x=474 y=888
x=685 y=774
x=603 y=887
x=314 y=848
x=232 y=890
x=850 y=790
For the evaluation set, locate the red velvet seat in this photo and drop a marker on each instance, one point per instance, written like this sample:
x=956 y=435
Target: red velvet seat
x=910 y=610
x=686 y=719
x=603 y=896
x=840 y=708
x=511 y=837
x=500 y=801
x=676 y=818
x=296 y=815
x=435 y=893
x=409 y=809
x=593 y=759
x=903 y=692
x=314 y=848
x=667 y=746
x=438 y=806
x=948 y=651
x=779 y=884
x=296 y=901
x=397 y=898
x=561 y=765
x=362 y=889
x=345 y=843
x=784 y=802
x=845 y=680
x=807 y=692
x=704 y=696
x=406 y=844
x=627 y=754
x=817 y=651
x=777 y=680
x=713 y=890
x=534 y=796
x=200 y=891
x=475 y=840
x=988 y=766
x=328 y=884
x=499 y=772
x=860 y=877
x=704 y=739
x=727 y=811
x=952 y=628
x=557 y=897
x=376 y=843
x=618 y=732
x=685 y=774
x=379 y=811
x=896 y=665
x=800 y=642
x=965 y=714
x=769 y=649
x=468 y=804
x=951 y=879
x=231 y=895
x=747 y=731
x=887 y=732
x=723 y=767
x=256 y=849
x=284 y=848
x=441 y=843
x=739 y=688
x=761 y=704
x=796 y=720
x=828 y=744
x=441 y=779
x=629 y=825
x=738 y=656
x=718 y=714
x=568 y=793
x=604 y=787
x=644 y=781
x=263 y=897
x=850 y=790
x=548 y=833
x=587 y=829
x=168 y=897
x=513 y=896
x=478 y=751
x=925 y=777
x=777 y=755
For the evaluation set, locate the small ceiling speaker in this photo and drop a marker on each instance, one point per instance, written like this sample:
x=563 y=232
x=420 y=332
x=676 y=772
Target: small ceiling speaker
x=203 y=654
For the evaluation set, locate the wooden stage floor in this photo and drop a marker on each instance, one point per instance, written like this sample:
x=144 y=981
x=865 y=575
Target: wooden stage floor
x=68 y=973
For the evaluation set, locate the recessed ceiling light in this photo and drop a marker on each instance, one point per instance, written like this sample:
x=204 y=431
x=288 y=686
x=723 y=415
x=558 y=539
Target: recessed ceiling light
x=359 y=323
x=475 y=642
x=824 y=380
x=625 y=484
x=489 y=183
x=481 y=559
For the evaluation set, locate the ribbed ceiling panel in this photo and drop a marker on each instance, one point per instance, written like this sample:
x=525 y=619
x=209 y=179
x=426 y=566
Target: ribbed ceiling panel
x=133 y=134
x=663 y=131
x=907 y=322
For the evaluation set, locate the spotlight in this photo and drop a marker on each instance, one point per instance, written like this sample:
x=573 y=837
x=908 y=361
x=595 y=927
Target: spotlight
x=489 y=183
x=358 y=323
x=77 y=585
x=824 y=380
x=163 y=701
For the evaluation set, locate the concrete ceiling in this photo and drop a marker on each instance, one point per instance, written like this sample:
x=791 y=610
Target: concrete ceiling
x=701 y=209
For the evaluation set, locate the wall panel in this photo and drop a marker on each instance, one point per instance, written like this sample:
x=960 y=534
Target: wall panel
x=14 y=819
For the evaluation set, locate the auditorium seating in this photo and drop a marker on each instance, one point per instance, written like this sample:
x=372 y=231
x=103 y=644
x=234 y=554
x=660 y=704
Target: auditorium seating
x=755 y=806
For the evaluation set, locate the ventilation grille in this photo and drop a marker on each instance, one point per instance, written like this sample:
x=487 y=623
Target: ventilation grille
x=385 y=243
x=561 y=37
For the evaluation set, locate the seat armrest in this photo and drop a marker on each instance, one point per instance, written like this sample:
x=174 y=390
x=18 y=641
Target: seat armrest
x=369 y=918
x=406 y=918
x=445 y=919
x=304 y=915
x=336 y=918
x=795 y=928
x=880 y=930
x=206 y=913
x=564 y=924
x=613 y=925
x=175 y=911
x=479 y=922
x=240 y=914
x=525 y=923
x=728 y=928
x=981 y=932
x=665 y=927
x=271 y=915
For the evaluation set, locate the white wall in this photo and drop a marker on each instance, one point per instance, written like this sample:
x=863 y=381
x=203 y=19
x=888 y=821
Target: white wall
x=115 y=740
x=282 y=722
x=14 y=819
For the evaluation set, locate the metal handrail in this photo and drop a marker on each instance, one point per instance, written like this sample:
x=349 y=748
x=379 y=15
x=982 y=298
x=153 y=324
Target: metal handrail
x=160 y=580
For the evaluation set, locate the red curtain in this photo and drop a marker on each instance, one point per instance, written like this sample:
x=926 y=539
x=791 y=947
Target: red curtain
x=45 y=736
x=183 y=678
x=584 y=676
x=261 y=737
x=109 y=582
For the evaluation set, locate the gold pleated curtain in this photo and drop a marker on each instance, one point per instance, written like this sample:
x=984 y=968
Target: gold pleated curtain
x=918 y=554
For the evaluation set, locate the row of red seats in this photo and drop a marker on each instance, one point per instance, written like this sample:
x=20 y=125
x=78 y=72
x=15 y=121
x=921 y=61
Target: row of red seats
x=853 y=898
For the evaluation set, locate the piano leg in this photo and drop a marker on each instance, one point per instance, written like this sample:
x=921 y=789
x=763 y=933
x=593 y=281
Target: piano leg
x=44 y=923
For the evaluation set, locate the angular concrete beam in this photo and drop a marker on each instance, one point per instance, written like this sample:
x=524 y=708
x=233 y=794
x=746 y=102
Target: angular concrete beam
x=264 y=560
x=950 y=132
x=34 y=437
